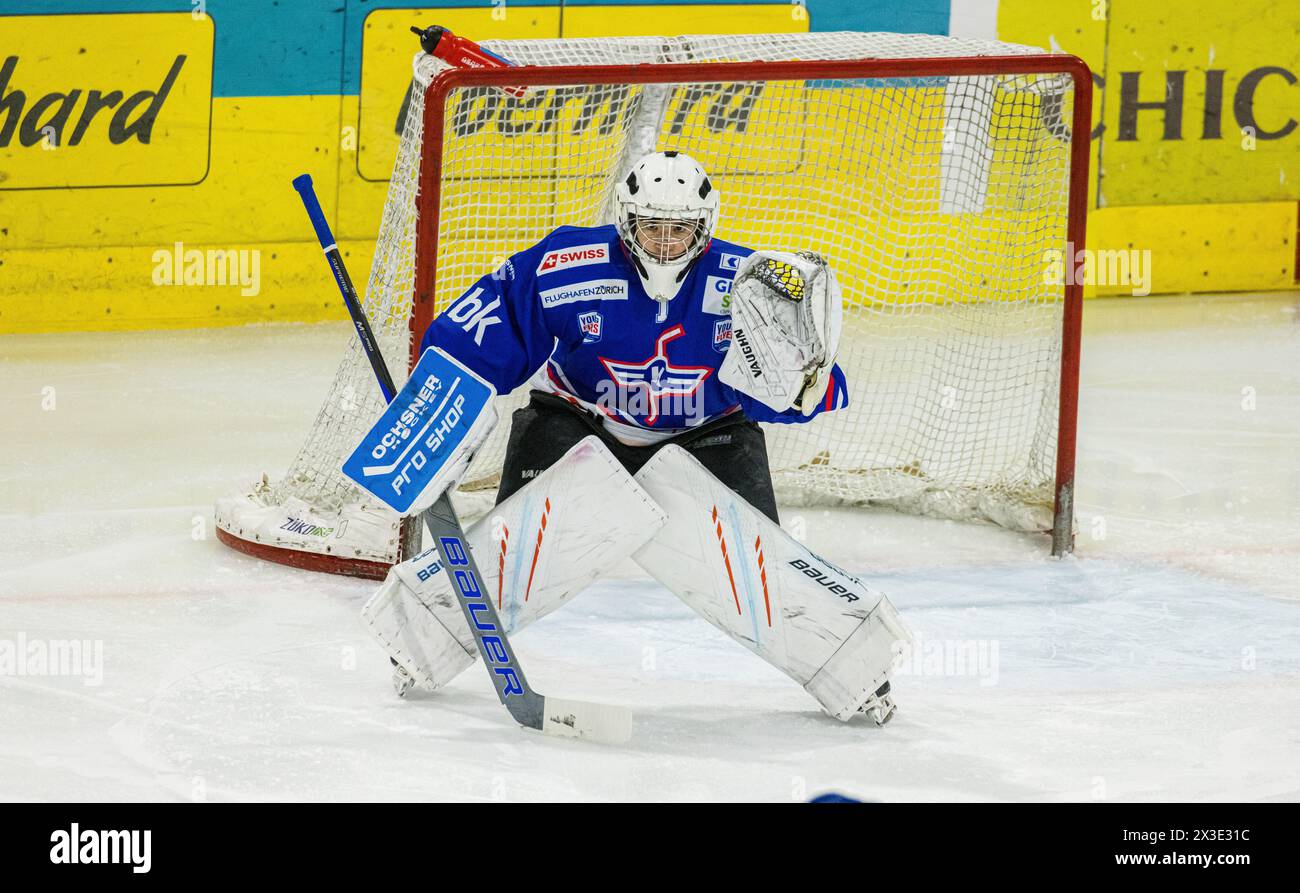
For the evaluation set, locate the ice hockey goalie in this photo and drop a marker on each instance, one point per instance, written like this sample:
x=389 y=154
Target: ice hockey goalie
x=660 y=348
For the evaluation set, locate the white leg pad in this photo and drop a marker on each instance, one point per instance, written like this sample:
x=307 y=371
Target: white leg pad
x=823 y=627
x=412 y=633
x=538 y=549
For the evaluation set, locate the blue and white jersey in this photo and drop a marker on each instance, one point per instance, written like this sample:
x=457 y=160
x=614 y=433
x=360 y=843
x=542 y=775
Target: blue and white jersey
x=570 y=312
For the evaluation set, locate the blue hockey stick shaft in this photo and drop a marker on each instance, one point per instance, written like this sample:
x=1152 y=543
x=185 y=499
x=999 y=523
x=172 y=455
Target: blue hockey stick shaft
x=447 y=532
x=526 y=706
x=302 y=183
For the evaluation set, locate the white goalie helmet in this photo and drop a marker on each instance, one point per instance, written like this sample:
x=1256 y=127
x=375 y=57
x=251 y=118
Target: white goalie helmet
x=667 y=209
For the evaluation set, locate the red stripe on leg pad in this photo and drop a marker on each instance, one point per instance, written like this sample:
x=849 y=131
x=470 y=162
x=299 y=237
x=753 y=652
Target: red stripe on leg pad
x=537 y=549
x=722 y=544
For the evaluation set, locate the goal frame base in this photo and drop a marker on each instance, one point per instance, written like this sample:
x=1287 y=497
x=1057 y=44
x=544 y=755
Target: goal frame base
x=307 y=561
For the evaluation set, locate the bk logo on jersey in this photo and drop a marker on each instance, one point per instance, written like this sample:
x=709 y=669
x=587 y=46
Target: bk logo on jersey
x=590 y=323
x=577 y=256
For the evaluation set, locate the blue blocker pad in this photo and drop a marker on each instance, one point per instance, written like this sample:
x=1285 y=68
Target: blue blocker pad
x=420 y=432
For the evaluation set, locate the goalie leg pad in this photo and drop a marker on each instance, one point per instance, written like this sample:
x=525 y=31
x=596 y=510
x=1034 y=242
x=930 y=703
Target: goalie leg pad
x=537 y=549
x=821 y=626
x=426 y=653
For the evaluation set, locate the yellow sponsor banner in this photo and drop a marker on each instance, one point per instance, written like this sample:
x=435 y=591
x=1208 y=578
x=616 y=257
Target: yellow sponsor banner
x=1195 y=105
x=648 y=20
x=126 y=102
x=388 y=51
x=388 y=48
x=555 y=146
x=1202 y=104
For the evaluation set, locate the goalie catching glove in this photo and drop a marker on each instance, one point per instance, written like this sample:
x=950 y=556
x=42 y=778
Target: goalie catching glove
x=786 y=316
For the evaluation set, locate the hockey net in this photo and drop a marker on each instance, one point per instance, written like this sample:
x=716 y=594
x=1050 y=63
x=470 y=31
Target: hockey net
x=936 y=174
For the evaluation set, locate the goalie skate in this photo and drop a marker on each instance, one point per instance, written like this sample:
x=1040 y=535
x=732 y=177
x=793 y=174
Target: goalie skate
x=880 y=706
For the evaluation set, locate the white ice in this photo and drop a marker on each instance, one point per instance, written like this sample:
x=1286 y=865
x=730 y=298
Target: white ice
x=1163 y=662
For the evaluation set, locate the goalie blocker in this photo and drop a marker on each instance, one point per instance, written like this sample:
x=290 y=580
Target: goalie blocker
x=423 y=442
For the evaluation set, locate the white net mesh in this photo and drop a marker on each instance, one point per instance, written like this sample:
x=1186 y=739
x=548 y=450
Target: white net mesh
x=934 y=199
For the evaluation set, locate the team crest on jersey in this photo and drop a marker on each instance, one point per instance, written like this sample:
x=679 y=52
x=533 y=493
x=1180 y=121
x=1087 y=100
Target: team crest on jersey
x=577 y=256
x=722 y=335
x=717 y=295
x=656 y=379
x=590 y=323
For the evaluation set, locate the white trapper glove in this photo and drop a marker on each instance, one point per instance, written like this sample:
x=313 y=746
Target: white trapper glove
x=786 y=317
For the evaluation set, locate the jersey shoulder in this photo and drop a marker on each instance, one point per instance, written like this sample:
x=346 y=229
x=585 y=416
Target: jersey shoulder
x=580 y=265
x=570 y=251
x=573 y=235
x=724 y=257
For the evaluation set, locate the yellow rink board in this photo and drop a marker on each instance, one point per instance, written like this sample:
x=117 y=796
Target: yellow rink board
x=1203 y=241
x=94 y=119
x=90 y=229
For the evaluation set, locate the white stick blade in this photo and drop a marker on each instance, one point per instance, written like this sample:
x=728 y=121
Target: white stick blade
x=592 y=722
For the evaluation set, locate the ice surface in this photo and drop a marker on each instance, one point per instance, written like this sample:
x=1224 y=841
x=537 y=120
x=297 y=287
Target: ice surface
x=1163 y=662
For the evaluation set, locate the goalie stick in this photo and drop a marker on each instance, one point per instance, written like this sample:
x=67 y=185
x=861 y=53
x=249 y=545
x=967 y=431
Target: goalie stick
x=552 y=716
